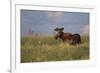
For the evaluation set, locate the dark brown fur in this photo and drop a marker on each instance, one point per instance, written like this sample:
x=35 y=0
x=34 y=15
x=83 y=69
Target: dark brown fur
x=76 y=39
x=72 y=38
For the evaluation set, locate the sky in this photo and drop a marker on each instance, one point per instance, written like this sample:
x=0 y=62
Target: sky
x=44 y=22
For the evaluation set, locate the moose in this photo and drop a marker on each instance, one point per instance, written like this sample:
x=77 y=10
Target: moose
x=71 y=38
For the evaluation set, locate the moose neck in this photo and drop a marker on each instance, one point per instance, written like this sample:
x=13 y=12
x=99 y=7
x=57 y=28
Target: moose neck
x=61 y=34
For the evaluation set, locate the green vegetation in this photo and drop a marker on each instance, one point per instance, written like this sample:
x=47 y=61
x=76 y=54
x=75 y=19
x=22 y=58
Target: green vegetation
x=45 y=48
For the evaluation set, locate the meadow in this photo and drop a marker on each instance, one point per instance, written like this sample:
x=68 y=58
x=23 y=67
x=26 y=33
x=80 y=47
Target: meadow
x=46 y=48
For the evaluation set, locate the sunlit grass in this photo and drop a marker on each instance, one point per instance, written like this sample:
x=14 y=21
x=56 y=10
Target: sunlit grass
x=45 y=48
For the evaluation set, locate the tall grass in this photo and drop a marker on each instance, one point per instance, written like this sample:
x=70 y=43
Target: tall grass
x=45 y=48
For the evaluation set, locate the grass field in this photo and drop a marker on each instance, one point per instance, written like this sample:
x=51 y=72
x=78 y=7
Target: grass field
x=45 y=48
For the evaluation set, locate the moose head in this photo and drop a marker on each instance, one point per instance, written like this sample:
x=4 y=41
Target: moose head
x=59 y=33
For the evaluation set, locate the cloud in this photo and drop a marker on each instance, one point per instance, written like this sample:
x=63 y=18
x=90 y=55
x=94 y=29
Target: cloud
x=85 y=30
x=55 y=14
x=55 y=17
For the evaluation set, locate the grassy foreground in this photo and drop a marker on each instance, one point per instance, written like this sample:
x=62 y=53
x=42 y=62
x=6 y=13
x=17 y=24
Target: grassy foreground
x=41 y=49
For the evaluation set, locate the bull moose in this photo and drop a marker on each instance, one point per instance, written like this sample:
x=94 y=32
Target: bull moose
x=72 y=38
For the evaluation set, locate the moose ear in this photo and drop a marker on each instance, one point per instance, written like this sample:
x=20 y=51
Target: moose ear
x=62 y=29
x=56 y=29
